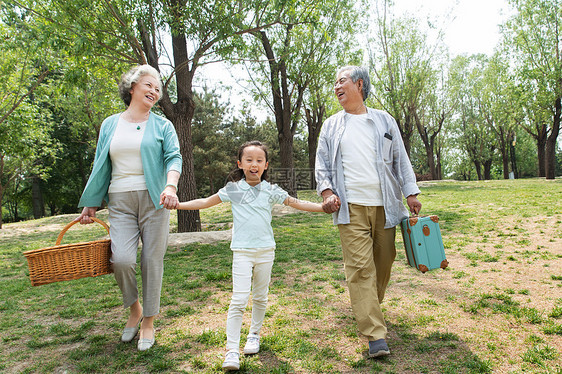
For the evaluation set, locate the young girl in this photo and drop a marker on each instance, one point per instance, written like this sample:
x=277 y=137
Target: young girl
x=253 y=245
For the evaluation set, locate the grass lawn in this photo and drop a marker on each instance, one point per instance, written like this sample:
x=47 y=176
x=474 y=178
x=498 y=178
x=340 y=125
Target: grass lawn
x=497 y=308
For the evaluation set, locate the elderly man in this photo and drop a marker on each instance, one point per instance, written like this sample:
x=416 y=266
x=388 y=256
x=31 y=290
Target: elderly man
x=363 y=170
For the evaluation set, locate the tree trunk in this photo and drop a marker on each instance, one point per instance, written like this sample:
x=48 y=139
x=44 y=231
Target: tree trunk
x=487 y=169
x=501 y=132
x=512 y=157
x=478 y=167
x=312 y=145
x=431 y=162
x=406 y=131
x=314 y=120
x=505 y=162
x=283 y=109
x=188 y=220
x=429 y=144
x=502 y=135
x=540 y=138
x=286 y=161
x=1 y=186
x=550 y=156
x=428 y=149
x=438 y=165
x=541 y=155
x=181 y=113
x=37 y=198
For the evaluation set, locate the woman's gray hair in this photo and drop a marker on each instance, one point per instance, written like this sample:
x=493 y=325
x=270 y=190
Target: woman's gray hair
x=133 y=76
x=359 y=72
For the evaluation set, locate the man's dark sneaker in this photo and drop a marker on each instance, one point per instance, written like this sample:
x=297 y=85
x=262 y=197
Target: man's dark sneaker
x=378 y=348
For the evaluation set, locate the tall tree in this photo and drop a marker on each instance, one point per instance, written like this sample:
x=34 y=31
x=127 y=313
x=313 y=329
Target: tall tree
x=21 y=68
x=140 y=31
x=534 y=120
x=295 y=53
x=401 y=58
x=24 y=143
x=472 y=133
x=319 y=101
x=497 y=102
x=24 y=65
x=535 y=36
x=213 y=151
x=77 y=99
x=435 y=110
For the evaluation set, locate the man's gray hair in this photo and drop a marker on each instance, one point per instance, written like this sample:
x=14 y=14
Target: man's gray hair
x=359 y=72
x=133 y=76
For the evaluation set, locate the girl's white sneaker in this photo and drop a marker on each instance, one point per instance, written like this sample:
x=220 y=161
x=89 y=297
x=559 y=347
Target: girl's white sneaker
x=252 y=344
x=231 y=361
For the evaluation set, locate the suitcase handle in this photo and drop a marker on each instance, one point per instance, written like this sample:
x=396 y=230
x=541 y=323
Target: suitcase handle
x=414 y=218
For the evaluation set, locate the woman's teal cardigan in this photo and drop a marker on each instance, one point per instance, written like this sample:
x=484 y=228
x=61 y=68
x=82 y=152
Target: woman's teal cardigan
x=160 y=153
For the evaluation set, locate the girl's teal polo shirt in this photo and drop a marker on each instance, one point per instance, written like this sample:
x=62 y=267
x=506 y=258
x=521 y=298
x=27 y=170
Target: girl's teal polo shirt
x=251 y=212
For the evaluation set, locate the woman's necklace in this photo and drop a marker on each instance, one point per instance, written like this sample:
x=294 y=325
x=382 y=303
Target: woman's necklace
x=129 y=117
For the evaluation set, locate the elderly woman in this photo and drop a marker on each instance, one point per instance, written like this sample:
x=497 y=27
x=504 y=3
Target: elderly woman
x=136 y=169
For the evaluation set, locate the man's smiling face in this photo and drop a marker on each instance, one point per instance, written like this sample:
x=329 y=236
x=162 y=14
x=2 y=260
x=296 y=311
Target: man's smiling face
x=349 y=94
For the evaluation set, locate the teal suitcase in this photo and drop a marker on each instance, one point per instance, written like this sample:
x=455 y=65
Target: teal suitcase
x=423 y=243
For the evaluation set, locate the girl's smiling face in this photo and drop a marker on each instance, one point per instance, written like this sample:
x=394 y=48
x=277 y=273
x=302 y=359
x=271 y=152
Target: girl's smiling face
x=253 y=162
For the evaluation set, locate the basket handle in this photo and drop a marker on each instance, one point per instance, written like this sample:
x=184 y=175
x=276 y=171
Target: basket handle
x=65 y=229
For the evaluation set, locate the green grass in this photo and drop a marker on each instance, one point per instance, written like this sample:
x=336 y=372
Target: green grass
x=499 y=295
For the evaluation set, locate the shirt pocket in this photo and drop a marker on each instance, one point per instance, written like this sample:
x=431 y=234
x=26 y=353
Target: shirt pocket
x=387 y=150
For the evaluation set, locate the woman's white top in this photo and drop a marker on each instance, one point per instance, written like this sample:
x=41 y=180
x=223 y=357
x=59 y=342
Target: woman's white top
x=127 y=173
x=358 y=144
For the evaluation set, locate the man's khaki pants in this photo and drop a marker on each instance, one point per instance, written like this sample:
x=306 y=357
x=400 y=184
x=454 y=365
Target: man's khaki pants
x=368 y=253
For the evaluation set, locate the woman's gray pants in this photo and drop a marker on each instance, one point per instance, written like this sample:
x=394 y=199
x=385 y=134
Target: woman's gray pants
x=132 y=216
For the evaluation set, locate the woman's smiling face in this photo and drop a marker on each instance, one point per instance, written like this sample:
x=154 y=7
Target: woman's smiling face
x=146 y=91
x=253 y=162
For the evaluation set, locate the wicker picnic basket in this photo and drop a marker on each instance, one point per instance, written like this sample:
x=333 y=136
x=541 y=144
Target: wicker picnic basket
x=69 y=261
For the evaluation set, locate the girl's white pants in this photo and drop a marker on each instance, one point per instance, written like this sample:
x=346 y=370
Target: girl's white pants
x=251 y=271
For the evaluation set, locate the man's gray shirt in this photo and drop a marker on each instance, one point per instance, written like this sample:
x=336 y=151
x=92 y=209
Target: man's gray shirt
x=393 y=165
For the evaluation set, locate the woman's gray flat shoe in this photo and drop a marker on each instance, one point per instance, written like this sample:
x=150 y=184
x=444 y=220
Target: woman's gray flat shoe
x=129 y=334
x=145 y=344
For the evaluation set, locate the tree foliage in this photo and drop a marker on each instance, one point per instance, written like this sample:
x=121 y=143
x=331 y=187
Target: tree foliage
x=402 y=64
x=24 y=65
x=287 y=58
x=534 y=35
x=471 y=132
x=140 y=31
x=470 y=117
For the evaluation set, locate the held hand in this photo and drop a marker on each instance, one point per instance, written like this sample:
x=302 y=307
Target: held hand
x=331 y=204
x=84 y=217
x=168 y=198
x=414 y=204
